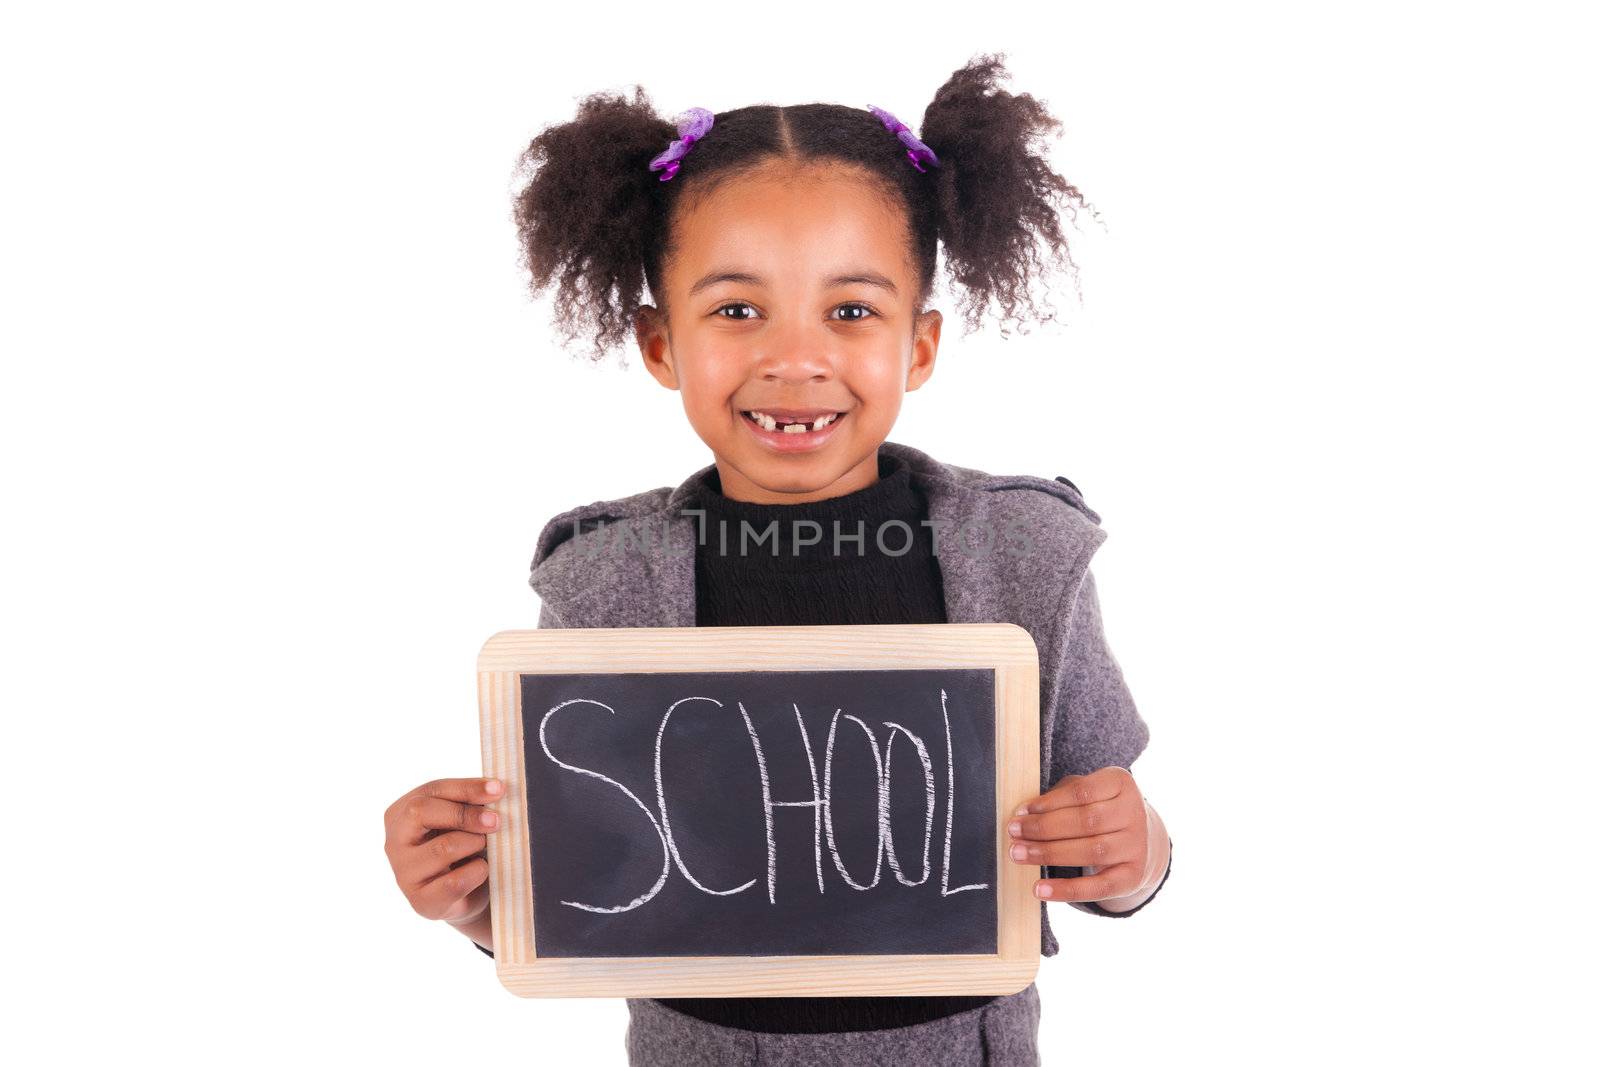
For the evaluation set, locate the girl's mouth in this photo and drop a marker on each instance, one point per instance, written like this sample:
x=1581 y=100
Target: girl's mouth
x=790 y=434
x=785 y=424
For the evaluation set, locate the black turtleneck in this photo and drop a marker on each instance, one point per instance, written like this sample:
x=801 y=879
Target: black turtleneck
x=887 y=575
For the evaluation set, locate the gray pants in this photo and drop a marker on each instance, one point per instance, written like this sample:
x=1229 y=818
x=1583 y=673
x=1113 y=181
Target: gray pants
x=1004 y=1033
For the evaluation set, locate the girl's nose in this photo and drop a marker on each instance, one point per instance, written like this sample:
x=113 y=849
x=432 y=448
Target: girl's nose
x=797 y=355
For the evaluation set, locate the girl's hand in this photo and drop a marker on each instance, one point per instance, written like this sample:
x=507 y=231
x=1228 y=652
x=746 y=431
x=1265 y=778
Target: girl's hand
x=1096 y=821
x=434 y=837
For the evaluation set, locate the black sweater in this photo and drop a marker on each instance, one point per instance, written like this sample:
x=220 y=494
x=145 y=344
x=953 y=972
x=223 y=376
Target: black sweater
x=888 y=575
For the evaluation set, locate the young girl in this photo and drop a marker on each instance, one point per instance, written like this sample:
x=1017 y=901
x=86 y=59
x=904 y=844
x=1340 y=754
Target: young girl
x=790 y=252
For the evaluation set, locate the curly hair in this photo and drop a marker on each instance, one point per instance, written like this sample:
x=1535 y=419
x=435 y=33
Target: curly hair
x=595 y=220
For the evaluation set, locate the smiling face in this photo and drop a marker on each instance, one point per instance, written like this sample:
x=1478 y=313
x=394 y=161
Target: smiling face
x=792 y=294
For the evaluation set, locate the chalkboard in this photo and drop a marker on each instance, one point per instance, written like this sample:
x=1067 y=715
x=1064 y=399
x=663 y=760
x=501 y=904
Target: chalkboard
x=812 y=810
x=791 y=827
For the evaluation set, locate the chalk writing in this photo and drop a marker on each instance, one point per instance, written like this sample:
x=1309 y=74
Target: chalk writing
x=821 y=803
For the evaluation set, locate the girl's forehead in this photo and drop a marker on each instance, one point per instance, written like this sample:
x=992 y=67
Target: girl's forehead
x=810 y=185
x=810 y=218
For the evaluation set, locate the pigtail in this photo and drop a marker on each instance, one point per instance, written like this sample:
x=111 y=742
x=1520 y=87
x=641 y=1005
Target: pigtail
x=587 y=210
x=997 y=202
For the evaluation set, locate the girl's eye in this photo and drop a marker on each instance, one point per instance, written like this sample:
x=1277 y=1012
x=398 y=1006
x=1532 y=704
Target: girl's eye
x=745 y=318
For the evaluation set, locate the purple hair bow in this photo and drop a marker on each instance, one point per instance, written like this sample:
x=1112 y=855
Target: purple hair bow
x=916 y=151
x=696 y=123
x=692 y=125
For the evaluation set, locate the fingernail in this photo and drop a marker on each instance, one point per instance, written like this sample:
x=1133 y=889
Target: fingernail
x=1016 y=827
x=1019 y=852
x=493 y=786
x=1021 y=811
x=1041 y=889
x=487 y=818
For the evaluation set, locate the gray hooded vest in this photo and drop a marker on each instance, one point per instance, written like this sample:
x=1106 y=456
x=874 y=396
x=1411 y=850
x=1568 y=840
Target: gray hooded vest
x=1010 y=548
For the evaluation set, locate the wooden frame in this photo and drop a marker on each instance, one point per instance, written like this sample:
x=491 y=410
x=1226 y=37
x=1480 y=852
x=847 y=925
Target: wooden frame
x=1007 y=648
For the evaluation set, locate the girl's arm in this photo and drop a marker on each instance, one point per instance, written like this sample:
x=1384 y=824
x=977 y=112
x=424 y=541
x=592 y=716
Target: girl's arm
x=1098 y=725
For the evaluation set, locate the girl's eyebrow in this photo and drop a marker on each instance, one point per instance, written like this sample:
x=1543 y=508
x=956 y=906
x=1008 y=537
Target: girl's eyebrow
x=856 y=276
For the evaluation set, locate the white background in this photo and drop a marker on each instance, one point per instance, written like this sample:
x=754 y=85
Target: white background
x=281 y=425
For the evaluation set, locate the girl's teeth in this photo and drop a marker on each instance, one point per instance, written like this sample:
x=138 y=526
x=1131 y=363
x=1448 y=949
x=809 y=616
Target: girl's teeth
x=771 y=424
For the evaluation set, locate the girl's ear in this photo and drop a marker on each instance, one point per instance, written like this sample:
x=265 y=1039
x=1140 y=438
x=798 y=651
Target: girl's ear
x=650 y=331
x=924 y=349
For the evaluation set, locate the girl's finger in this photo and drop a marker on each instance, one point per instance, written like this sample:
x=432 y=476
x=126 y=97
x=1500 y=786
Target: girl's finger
x=435 y=898
x=456 y=790
x=437 y=854
x=419 y=814
x=1101 y=850
x=1099 y=817
x=464 y=790
x=1078 y=789
x=1114 y=881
